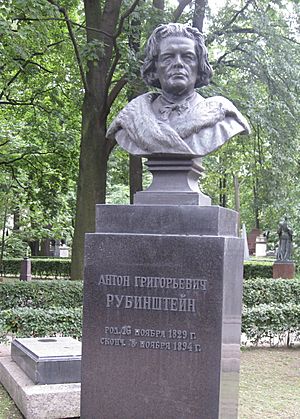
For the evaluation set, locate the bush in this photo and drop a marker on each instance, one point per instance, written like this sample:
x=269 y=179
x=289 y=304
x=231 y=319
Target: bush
x=41 y=294
x=49 y=308
x=42 y=267
x=267 y=291
x=27 y=322
x=269 y=320
x=257 y=269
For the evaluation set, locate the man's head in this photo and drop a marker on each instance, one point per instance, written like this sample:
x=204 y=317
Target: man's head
x=158 y=39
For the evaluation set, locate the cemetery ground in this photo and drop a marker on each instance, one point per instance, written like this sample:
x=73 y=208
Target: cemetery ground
x=269 y=385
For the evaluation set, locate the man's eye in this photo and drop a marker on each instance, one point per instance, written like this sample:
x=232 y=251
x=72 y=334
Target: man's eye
x=166 y=58
x=189 y=58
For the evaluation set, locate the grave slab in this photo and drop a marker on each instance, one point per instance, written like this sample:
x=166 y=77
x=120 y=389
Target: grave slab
x=54 y=360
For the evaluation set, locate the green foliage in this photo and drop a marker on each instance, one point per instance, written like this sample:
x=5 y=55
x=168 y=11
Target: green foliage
x=41 y=294
x=29 y=322
x=269 y=320
x=39 y=267
x=256 y=269
x=271 y=291
x=255 y=54
x=40 y=102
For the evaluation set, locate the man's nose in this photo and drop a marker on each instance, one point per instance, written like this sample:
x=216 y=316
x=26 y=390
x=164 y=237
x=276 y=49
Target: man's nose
x=178 y=61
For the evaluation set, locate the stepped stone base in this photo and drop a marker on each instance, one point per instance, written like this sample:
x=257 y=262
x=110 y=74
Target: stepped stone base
x=54 y=401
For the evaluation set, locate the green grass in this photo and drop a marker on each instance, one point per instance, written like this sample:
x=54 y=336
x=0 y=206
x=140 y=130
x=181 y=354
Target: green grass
x=269 y=385
x=8 y=409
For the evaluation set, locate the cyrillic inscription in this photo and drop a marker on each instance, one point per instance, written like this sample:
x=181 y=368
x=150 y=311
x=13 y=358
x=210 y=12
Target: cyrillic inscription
x=163 y=340
x=153 y=282
x=143 y=302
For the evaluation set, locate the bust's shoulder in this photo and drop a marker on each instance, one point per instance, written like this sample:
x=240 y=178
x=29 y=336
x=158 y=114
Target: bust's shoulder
x=222 y=102
x=145 y=98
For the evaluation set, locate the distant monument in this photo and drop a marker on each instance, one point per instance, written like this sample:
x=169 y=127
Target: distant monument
x=163 y=277
x=284 y=266
x=285 y=234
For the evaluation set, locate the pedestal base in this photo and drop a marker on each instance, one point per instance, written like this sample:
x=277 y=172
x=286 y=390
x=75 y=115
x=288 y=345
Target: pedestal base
x=284 y=269
x=175 y=182
x=162 y=314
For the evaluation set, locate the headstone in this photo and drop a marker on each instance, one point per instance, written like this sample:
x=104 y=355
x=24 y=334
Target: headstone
x=64 y=251
x=57 y=248
x=261 y=246
x=55 y=360
x=162 y=313
x=25 y=274
x=252 y=240
x=244 y=237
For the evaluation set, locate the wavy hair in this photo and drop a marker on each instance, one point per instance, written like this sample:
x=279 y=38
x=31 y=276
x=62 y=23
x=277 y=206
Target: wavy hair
x=148 y=70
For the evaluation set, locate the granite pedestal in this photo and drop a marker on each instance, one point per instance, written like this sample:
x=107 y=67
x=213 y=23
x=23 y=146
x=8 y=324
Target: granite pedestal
x=162 y=313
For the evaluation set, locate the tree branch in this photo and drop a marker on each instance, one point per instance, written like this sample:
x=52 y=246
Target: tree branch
x=26 y=62
x=14 y=177
x=115 y=36
x=239 y=12
x=73 y=40
x=80 y=25
x=5 y=142
x=178 y=12
x=124 y=16
x=116 y=90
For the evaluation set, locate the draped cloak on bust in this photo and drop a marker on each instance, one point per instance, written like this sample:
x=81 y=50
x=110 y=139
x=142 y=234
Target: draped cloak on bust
x=151 y=125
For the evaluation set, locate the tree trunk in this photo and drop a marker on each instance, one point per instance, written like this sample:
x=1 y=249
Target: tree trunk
x=222 y=194
x=237 y=199
x=135 y=175
x=95 y=149
x=199 y=14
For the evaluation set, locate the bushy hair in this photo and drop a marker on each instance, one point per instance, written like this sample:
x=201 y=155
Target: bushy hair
x=148 y=70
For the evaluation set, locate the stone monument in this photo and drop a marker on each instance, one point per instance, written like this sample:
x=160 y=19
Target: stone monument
x=284 y=266
x=163 y=277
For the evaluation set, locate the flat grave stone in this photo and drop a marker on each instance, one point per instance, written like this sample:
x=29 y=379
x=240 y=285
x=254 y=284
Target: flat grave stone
x=55 y=360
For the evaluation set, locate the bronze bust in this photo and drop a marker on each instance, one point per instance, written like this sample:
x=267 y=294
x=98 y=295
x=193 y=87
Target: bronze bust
x=178 y=121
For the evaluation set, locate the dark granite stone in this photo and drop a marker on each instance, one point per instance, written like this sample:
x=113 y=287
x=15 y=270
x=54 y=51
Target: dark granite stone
x=175 y=182
x=164 y=219
x=25 y=274
x=162 y=314
x=54 y=360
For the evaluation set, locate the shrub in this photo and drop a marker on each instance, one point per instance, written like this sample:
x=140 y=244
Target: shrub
x=28 y=322
x=44 y=267
x=267 y=291
x=41 y=294
x=257 y=269
x=269 y=320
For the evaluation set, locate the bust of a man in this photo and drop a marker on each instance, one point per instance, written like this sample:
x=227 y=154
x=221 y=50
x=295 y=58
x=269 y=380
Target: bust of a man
x=177 y=120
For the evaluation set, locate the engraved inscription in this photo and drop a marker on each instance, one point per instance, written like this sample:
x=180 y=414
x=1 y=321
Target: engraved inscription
x=183 y=299
x=153 y=282
x=150 y=303
x=163 y=340
x=142 y=302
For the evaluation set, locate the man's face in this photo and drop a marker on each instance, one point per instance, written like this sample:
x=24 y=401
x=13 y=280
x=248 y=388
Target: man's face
x=177 y=65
